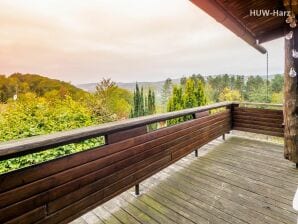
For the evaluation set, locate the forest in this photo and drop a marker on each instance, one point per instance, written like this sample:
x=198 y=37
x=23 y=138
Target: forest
x=32 y=105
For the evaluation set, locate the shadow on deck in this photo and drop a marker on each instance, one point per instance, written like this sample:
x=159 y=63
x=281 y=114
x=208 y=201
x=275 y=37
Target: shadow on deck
x=239 y=180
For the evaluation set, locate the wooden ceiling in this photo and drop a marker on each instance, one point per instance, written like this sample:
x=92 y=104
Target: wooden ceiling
x=254 y=29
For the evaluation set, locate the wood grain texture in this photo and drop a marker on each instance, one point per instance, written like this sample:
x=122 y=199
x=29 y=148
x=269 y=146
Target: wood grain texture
x=290 y=99
x=261 y=121
x=126 y=134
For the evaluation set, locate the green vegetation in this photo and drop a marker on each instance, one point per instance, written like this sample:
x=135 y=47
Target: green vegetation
x=143 y=104
x=33 y=105
x=23 y=83
x=60 y=107
x=189 y=94
x=240 y=88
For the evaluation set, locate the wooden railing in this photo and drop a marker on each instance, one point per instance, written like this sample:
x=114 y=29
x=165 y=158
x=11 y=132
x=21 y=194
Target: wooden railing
x=259 y=120
x=60 y=190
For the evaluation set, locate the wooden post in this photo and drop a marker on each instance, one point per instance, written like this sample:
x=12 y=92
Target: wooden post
x=290 y=100
x=233 y=106
x=196 y=153
x=137 y=189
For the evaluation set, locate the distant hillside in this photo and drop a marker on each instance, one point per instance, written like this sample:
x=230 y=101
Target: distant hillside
x=90 y=87
x=157 y=86
x=40 y=85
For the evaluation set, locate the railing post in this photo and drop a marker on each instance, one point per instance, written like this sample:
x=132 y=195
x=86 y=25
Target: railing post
x=224 y=137
x=137 y=189
x=290 y=100
x=232 y=108
x=196 y=153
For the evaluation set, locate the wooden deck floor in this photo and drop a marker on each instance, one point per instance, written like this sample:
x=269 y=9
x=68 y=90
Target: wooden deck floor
x=236 y=181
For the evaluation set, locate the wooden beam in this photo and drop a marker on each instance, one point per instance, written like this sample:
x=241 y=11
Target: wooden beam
x=290 y=101
x=273 y=34
x=222 y=15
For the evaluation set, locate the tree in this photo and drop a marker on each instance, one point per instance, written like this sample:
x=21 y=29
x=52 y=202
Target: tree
x=26 y=83
x=176 y=100
x=143 y=105
x=277 y=83
x=189 y=95
x=183 y=81
x=110 y=100
x=200 y=94
x=166 y=91
x=277 y=97
x=151 y=102
x=229 y=95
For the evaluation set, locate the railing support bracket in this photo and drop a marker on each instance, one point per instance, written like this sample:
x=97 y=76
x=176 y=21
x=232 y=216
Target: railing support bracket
x=137 y=189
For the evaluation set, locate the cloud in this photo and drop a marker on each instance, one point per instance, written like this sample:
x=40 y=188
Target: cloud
x=126 y=40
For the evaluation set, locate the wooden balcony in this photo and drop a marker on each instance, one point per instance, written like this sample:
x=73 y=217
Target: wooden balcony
x=239 y=179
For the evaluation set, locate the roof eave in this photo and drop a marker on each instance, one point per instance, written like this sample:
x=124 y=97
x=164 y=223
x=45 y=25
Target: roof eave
x=216 y=11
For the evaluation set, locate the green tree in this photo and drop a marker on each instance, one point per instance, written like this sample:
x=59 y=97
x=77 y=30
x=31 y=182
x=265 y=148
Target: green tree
x=189 y=95
x=112 y=101
x=200 y=94
x=183 y=81
x=277 y=97
x=143 y=104
x=151 y=102
x=277 y=83
x=229 y=95
x=166 y=91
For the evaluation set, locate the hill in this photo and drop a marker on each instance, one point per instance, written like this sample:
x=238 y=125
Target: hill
x=18 y=83
x=157 y=86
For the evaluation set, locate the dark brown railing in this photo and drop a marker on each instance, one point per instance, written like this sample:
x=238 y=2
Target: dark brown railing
x=62 y=189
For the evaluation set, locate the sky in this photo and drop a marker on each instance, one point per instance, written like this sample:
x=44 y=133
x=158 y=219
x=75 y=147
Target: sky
x=82 y=41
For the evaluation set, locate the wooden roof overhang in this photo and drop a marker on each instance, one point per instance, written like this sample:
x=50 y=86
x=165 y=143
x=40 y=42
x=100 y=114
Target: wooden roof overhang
x=235 y=15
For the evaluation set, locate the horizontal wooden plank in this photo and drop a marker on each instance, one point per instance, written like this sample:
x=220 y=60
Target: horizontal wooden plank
x=256 y=122
x=122 y=135
x=272 y=116
x=257 y=131
x=201 y=114
x=259 y=111
x=30 y=217
x=259 y=127
x=257 y=118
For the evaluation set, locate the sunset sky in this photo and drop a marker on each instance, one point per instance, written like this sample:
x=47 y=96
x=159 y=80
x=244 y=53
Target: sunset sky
x=83 y=41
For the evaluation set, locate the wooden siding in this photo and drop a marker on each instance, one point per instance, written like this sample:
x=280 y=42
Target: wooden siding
x=262 y=121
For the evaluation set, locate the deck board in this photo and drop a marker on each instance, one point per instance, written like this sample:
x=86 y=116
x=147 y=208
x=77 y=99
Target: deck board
x=239 y=180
